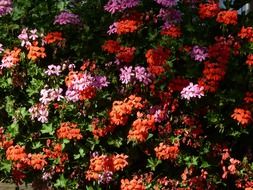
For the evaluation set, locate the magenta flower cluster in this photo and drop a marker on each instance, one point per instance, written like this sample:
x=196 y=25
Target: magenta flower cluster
x=167 y=3
x=192 y=91
x=5 y=7
x=129 y=74
x=65 y=18
x=83 y=81
x=199 y=53
x=170 y=16
x=113 y=6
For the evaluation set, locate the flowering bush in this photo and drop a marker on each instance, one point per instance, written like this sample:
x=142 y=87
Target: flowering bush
x=126 y=94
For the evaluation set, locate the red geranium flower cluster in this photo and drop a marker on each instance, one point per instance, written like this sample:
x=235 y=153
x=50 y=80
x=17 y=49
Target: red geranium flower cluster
x=156 y=58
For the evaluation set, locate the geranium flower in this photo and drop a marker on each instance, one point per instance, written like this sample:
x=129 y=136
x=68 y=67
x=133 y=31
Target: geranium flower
x=243 y=116
x=66 y=17
x=192 y=91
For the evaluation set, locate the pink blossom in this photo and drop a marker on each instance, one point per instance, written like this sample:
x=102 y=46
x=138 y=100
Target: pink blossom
x=142 y=75
x=112 y=29
x=72 y=95
x=23 y=36
x=7 y=62
x=39 y=111
x=192 y=91
x=5 y=7
x=113 y=6
x=53 y=70
x=126 y=74
x=33 y=34
x=49 y=95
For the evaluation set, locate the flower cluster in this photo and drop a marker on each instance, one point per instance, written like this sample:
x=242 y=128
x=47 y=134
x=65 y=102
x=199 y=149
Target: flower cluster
x=113 y=6
x=65 y=18
x=122 y=109
x=156 y=59
x=141 y=128
x=39 y=111
x=165 y=152
x=69 y=131
x=83 y=85
x=103 y=165
x=192 y=91
x=123 y=27
x=128 y=94
x=199 y=53
x=50 y=95
x=10 y=58
x=167 y=3
x=128 y=74
x=5 y=7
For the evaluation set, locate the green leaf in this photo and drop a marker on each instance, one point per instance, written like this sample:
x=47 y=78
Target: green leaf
x=35 y=87
x=5 y=166
x=9 y=106
x=117 y=142
x=13 y=129
x=36 y=145
x=153 y=163
x=47 y=128
x=61 y=182
x=205 y=164
x=80 y=155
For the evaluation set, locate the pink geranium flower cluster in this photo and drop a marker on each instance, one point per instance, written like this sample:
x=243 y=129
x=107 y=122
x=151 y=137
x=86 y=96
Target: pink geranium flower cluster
x=5 y=7
x=49 y=95
x=113 y=6
x=39 y=111
x=192 y=91
x=27 y=36
x=128 y=74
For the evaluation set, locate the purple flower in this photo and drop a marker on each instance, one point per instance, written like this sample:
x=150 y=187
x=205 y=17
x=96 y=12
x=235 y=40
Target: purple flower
x=113 y=6
x=53 y=70
x=167 y=3
x=112 y=29
x=100 y=82
x=105 y=177
x=67 y=18
x=170 y=16
x=72 y=95
x=199 y=53
x=126 y=74
x=192 y=91
x=142 y=75
x=5 y=7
